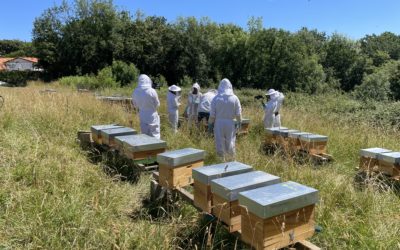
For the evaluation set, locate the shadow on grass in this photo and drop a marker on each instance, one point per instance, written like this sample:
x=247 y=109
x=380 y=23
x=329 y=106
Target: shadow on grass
x=114 y=165
x=377 y=182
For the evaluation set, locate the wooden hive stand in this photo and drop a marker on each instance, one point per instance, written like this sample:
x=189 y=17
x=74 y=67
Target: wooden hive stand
x=316 y=147
x=203 y=176
x=225 y=195
x=176 y=167
x=277 y=216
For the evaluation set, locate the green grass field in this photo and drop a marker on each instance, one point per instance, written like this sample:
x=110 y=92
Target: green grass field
x=53 y=197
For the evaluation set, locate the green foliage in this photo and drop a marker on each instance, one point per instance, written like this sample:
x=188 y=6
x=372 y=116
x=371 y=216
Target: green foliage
x=124 y=73
x=18 y=78
x=105 y=79
x=375 y=86
x=186 y=81
x=90 y=35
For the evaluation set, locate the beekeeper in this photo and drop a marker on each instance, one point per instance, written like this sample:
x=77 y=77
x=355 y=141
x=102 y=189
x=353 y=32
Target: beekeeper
x=225 y=107
x=173 y=98
x=279 y=101
x=193 y=104
x=205 y=105
x=145 y=99
x=270 y=108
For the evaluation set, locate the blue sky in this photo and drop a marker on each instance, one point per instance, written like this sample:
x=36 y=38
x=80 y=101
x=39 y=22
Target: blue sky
x=353 y=18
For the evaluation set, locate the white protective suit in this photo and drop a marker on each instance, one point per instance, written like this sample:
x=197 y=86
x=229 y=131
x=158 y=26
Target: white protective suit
x=193 y=104
x=173 y=110
x=145 y=98
x=205 y=101
x=270 y=109
x=279 y=100
x=224 y=108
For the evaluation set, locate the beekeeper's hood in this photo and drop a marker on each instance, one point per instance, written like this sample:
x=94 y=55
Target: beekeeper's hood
x=196 y=86
x=225 y=87
x=144 y=82
x=272 y=93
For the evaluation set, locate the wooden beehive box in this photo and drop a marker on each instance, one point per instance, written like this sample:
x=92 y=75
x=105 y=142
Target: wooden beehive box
x=294 y=140
x=108 y=135
x=225 y=194
x=369 y=158
x=277 y=216
x=143 y=147
x=244 y=126
x=271 y=135
x=283 y=138
x=203 y=176
x=314 y=144
x=175 y=167
x=389 y=164
x=96 y=131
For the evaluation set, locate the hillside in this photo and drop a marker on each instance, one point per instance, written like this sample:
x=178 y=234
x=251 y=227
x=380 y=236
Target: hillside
x=53 y=196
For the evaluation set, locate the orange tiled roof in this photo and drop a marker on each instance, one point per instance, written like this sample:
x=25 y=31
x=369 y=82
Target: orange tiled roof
x=2 y=61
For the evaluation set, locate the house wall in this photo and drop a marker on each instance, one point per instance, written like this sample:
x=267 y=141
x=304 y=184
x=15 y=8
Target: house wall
x=19 y=64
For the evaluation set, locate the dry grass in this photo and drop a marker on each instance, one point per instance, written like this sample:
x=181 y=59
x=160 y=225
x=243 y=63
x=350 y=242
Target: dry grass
x=53 y=197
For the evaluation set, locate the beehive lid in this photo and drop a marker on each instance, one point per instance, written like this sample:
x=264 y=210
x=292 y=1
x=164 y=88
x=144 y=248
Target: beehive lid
x=142 y=142
x=285 y=133
x=119 y=140
x=273 y=200
x=297 y=134
x=275 y=130
x=98 y=128
x=243 y=121
x=229 y=187
x=373 y=152
x=391 y=157
x=180 y=157
x=113 y=132
x=208 y=173
x=313 y=138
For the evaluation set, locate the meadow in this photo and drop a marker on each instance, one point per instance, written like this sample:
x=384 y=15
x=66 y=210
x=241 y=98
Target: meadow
x=53 y=196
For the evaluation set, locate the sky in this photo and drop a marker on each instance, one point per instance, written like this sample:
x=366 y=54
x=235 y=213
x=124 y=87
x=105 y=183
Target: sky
x=352 y=18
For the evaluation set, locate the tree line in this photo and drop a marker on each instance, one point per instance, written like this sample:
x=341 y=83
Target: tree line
x=89 y=35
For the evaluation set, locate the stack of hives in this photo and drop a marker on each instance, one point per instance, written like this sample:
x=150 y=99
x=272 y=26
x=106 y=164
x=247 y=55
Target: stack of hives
x=269 y=214
x=293 y=141
x=126 y=140
x=380 y=160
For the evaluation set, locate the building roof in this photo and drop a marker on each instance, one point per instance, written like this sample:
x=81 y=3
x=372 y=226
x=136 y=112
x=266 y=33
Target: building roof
x=4 y=60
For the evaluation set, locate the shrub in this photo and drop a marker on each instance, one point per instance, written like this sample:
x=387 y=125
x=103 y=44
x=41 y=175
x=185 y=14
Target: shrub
x=19 y=78
x=125 y=74
x=186 y=81
x=375 y=86
x=105 y=79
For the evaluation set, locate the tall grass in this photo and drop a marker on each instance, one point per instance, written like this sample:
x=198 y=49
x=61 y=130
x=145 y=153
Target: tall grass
x=52 y=196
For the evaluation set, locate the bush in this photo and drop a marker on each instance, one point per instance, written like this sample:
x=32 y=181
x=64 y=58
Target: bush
x=19 y=78
x=375 y=86
x=82 y=82
x=105 y=79
x=125 y=74
x=186 y=81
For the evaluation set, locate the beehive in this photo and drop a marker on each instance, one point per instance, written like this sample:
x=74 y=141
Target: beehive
x=389 y=163
x=143 y=147
x=244 y=126
x=314 y=144
x=108 y=135
x=176 y=166
x=283 y=138
x=225 y=194
x=277 y=216
x=369 y=158
x=271 y=135
x=294 y=140
x=204 y=175
x=96 y=131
